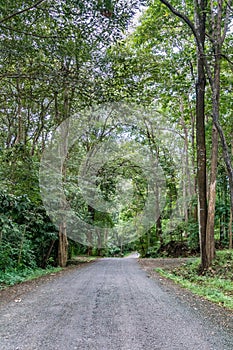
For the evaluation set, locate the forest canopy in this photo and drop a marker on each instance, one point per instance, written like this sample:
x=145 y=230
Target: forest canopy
x=125 y=128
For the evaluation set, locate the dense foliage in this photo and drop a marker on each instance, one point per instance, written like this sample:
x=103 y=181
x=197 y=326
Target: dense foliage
x=59 y=62
x=27 y=235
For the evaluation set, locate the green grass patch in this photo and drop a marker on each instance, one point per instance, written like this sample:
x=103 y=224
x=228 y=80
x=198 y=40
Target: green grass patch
x=85 y=258
x=14 y=276
x=215 y=285
x=81 y=259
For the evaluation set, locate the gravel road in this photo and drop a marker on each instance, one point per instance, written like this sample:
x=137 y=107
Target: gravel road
x=107 y=305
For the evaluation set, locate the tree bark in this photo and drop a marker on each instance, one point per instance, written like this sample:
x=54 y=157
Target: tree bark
x=231 y=211
x=186 y=181
x=218 y=40
x=230 y=230
x=200 y=133
x=215 y=86
x=20 y=126
x=91 y=212
x=210 y=244
x=227 y=159
x=46 y=257
x=62 y=245
x=62 y=235
x=159 y=232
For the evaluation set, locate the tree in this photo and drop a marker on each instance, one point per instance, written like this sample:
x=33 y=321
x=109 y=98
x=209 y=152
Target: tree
x=50 y=69
x=172 y=57
x=199 y=30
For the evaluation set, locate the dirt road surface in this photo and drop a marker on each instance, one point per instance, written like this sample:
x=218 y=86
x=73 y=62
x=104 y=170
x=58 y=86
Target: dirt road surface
x=108 y=305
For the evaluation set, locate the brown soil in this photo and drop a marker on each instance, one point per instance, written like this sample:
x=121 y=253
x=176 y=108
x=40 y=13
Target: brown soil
x=164 y=263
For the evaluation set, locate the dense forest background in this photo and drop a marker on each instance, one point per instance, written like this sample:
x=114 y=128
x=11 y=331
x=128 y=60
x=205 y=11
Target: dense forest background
x=161 y=88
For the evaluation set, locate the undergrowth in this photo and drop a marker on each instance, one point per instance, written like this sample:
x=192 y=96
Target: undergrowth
x=216 y=284
x=14 y=276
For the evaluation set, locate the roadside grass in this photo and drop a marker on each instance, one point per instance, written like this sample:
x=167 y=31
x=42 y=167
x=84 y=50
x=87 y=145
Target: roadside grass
x=11 y=277
x=215 y=285
x=14 y=276
x=81 y=259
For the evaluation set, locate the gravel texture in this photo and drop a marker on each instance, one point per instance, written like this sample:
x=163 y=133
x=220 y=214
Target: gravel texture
x=109 y=305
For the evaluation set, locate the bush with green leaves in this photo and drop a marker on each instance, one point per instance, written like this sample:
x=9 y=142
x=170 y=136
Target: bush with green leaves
x=27 y=235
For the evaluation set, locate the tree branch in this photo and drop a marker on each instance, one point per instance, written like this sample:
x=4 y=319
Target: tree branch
x=196 y=35
x=21 y=11
x=35 y=35
x=226 y=24
x=226 y=58
x=229 y=6
x=184 y=18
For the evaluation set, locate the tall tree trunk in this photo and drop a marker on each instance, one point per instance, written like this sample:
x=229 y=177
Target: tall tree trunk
x=200 y=133
x=215 y=85
x=227 y=159
x=62 y=235
x=218 y=39
x=62 y=245
x=193 y=157
x=230 y=230
x=20 y=126
x=187 y=186
x=199 y=31
x=210 y=246
x=159 y=231
x=231 y=210
x=91 y=212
